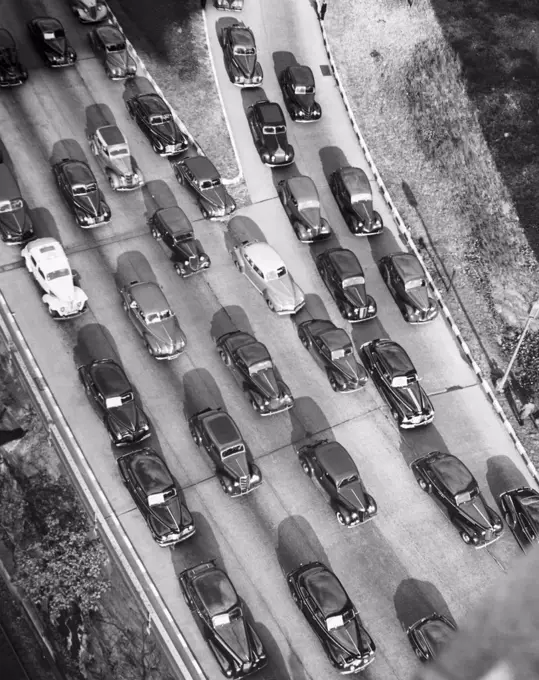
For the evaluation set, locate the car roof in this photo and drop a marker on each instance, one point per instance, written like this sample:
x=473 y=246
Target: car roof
x=149 y=297
x=394 y=357
x=301 y=75
x=153 y=103
x=49 y=254
x=452 y=472
x=78 y=172
x=320 y=326
x=111 y=135
x=355 y=180
x=150 y=471
x=326 y=590
x=9 y=189
x=221 y=429
x=48 y=23
x=303 y=188
x=345 y=262
x=253 y=353
x=408 y=266
x=202 y=167
x=6 y=39
x=175 y=220
x=109 y=378
x=215 y=590
x=335 y=460
x=271 y=113
x=242 y=35
x=264 y=256
x=335 y=338
x=110 y=34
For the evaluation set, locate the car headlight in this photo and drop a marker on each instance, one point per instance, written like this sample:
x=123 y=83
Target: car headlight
x=300 y=113
x=370 y=310
x=497 y=526
x=287 y=156
x=371 y=508
x=354 y=515
x=266 y=402
x=273 y=159
x=255 y=477
x=475 y=539
x=236 y=482
x=356 y=310
x=145 y=427
x=190 y=527
x=203 y=257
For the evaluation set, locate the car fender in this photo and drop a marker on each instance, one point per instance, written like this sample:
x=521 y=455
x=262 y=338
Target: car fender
x=223 y=662
x=51 y=302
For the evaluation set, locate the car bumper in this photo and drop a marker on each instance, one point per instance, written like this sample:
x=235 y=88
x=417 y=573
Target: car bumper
x=169 y=357
x=97 y=222
x=308 y=238
x=133 y=440
x=13 y=83
x=413 y=321
x=289 y=312
x=85 y=18
x=186 y=271
x=170 y=150
x=347 y=390
x=359 y=319
x=236 y=491
x=61 y=64
x=18 y=240
x=57 y=316
x=357 y=668
x=282 y=164
x=130 y=187
x=410 y=425
x=268 y=411
x=172 y=539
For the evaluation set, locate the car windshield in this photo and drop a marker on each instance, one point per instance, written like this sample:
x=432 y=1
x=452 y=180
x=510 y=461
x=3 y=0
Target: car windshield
x=119 y=151
x=273 y=275
x=115 y=402
x=155 y=317
x=273 y=129
x=209 y=183
x=360 y=197
x=403 y=380
x=260 y=366
x=54 y=35
x=116 y=47
x=226 y=618
x=465 y=496
x=239 y=49
x=353 y=281
x=162 y=497
x=8 y=206
x=304 y=89
x=58 y=274
x=80 y=189
x=348 y=480
x=414 y=283
x=306 y=203
x=231 y=450
x=340 y=353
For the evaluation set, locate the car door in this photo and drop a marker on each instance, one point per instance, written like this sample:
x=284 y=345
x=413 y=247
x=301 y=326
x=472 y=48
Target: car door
x=320 y=352
x=253 y=273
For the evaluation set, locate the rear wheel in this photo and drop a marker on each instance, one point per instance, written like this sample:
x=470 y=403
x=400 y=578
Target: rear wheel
x=205 y=213
x=395 y=415
x=424 y=485
x=225 y=357
x=270 y=304
x=179 y=176
x=340 y=518
x=304 y=339
x=194 y=435
x=150 y=349
x=306 y=468
x=333 y=383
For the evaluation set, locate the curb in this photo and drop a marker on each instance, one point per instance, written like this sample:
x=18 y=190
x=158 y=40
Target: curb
x=96 y=503
x=141 y=69
x=403 y=229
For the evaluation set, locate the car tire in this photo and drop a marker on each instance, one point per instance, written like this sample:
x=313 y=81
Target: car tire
x=155 y=233
x=178 y=270
x=307 y=469
x=223 y=485
x=179 y=177
x=205 y=213
x=254 y=405
x=270 y=304
x=395 y=415
x=237 y=265
x=333 y=382
x=296 y=230
x=465 y=537
x=110 y=179
x=340 y=518
x=194 y=434
x=156 y=149
x=423 y=485
x=150 y=350
x=225 y=357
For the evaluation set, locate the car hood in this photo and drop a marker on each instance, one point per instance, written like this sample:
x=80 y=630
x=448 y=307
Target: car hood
x=277 y=145
x=237 y=465
x=354 y=495
x=89 y=203
x=122 y=164
x=217 y=196
x=15 y=222
x=266 y=382
x=235 y=638
x=57 y=46
x=312 y=217
x=356 y=295
x=306 y=101
x=118 y=60
x=63 y=288
x=348 y=367
x=350 y=638
x=477 y=512
x=172 y=516
x=167 y=333
x=285 y=293
x=9 y=67
x=168 y=132
x=246 y=63
x=126 y=417
x=364 y=210
x=412 y=397
x=419 y=298
x=190 y=250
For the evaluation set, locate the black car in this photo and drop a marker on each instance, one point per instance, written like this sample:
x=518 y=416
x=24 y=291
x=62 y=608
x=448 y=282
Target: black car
x=520 y=509
x=239 y=52
x=397 y=381
x=204 y=180
x=110 y=391
x=16 y=227
x=172 y=226
x=298 y=88
x=332 y=469
x=50 y=39
x=301 y=203
x=408 y=284
x=12 y=72
x=352 y=191
x=154 y=491
x=343 y=275
x=332 y=616
x=78 y=186
x=268 y=128
x=430 y=635
x=252 y=367
x=220 y=614
x=215 y=430
x=332 y=349
x=455 y=488
x=155 y=119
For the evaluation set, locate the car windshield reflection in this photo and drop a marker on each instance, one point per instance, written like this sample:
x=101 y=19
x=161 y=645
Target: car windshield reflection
x=116 y=402
x=58 y=274
x=348 y=480
x=80 y=189
x=414 y=283
x=304 y=89
x=155 y=317
x=353 y=281
x=273 y=129
x=161 y=498
x=226 y=617
x=273 y=275
x=116 y=47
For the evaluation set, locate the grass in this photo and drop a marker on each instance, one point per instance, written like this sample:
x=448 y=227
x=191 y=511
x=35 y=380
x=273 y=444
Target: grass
x=442 y=91
x=169 y=37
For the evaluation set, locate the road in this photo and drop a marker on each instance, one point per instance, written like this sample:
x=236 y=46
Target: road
x=399 y=567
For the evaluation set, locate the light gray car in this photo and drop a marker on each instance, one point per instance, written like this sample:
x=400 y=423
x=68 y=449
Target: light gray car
x=109 y=46
x=111 y=150
x=149 y=311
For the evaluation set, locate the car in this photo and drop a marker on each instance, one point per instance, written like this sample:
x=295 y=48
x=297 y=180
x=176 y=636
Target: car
x=324 y=602
x=520 y=509
x=111 y=393
x=456 y=490
x=16 y=227
x=156 y=122
x=406 y=280
x=334 y=472
x=78 y=186
x=12 y=72
x=352 y=192
x=46 y=260
x=109 y=46
x=215 y=430
x=50 y=39
x=430 y=635
x=298 y=88
x=268 y=128
x=149 y=311
x=343 y=275
x=111 y=150
x=89 y=11
x=333 y=350
x=220 y=614
x=172 y=226
x=252 y=366
x=301 y=203
x=239 y=52
x=264 y=268
x=204 y=180
x=230 y=5
x=152 y=487
x=396 y=379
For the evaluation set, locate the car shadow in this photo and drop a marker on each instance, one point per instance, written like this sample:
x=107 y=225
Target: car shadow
x=282 y=60
x=222 y=23
x=332 y=158
x=278 y=175
x=503 y=475
x=229 y=319
x=251 y=95
x=416 y=599
x=276 y=666
x=241 y=228
x=200 y=392
x=297 y=670
x=98 y=115
x=202 y=547
x=136 y=86
x=157 y=194
x=384 y=244
x=308 y=422
x=297 y=544
x=133 y=266
x=44 y=223
x=419 y=442
x=67 y=148
x=5 y=156
x=94 y=342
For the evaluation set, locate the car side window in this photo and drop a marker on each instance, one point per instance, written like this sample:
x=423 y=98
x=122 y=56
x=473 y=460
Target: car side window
x=258 y=271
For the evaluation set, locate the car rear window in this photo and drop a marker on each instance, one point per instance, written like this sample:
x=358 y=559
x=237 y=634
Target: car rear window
x=116 y=47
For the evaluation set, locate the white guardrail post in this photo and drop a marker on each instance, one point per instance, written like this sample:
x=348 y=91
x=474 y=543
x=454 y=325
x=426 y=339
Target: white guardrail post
x=405 y=232
x=95 y=500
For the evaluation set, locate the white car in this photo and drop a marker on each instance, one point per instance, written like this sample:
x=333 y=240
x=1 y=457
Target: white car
x=89 y=11
x=111 y=150
x=264 y=268
x=46 y=260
